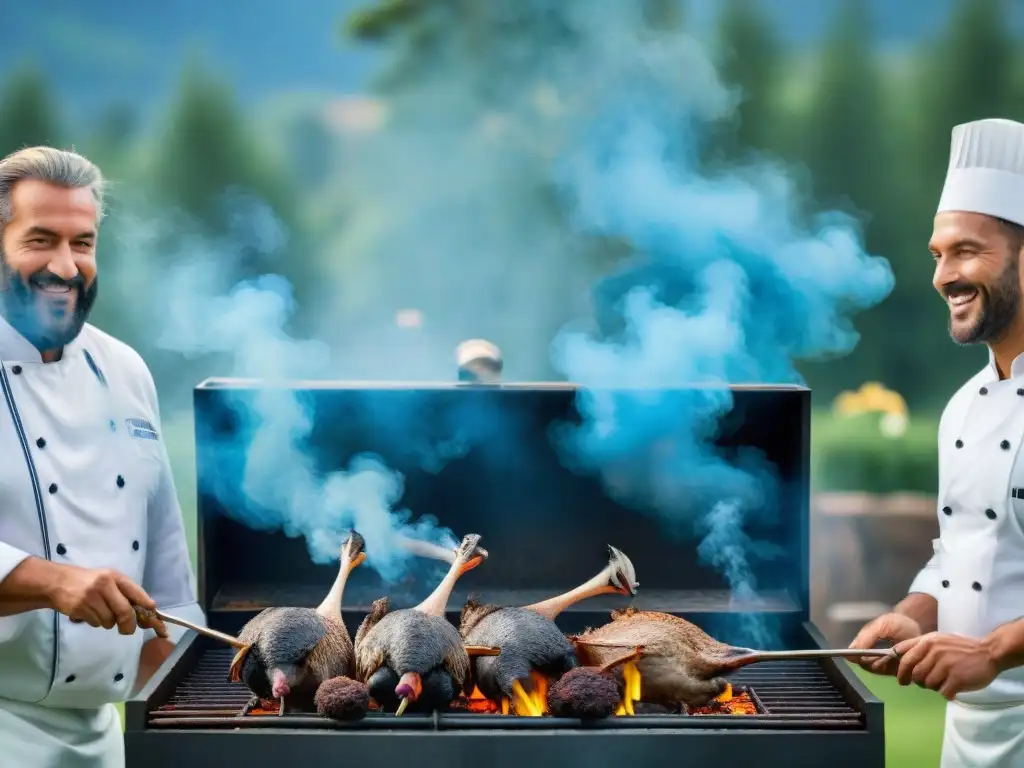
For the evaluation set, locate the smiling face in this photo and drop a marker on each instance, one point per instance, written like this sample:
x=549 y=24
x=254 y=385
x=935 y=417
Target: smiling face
x=978 y=273
x=48 y=260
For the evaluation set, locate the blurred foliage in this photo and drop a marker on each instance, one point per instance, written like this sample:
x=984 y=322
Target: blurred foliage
x=851 y=454
x=29 y=115
x=377 y=22
x=750 y=54
x=865 y=129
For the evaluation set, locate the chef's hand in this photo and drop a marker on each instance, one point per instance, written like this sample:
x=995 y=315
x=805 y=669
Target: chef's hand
x=949 y=664
x=891 y=627
x=104 y=598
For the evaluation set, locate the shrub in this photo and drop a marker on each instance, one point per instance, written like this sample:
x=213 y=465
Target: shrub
x=851 y=454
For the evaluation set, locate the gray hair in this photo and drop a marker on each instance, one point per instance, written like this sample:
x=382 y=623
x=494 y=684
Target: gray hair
x=54 y=166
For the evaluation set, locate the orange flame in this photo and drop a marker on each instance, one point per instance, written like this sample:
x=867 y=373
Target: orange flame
x=532 y=703
x=632 y=689
x=477 y=702
x=728 y=702
x=539 y=694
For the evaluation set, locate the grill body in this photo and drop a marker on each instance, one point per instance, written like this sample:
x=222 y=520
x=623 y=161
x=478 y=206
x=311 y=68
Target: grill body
x=810 y=713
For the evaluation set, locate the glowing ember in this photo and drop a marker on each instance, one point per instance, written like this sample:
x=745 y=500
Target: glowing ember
x=266 y=707
x=730 y=702
x=534 y=703
x=477 y=702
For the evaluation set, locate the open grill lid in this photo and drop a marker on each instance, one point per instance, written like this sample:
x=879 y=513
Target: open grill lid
x=546 y=527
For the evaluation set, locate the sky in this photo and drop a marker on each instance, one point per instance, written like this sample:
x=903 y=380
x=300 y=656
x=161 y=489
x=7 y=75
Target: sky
x=129 y=52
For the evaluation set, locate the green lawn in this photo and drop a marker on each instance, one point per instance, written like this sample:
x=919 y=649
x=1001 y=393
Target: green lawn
x=913 y=722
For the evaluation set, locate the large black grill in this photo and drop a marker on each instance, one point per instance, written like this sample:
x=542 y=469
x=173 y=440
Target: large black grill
x=809 y=713
x=792 y=694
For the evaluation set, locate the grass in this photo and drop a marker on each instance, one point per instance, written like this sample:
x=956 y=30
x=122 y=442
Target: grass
x=914 y=720
x=913 y=717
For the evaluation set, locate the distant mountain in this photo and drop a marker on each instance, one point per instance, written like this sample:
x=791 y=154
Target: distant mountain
x=130 y=52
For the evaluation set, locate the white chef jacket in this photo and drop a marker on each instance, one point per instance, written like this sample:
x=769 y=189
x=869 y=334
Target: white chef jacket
x=85 y=479
x=977 y=570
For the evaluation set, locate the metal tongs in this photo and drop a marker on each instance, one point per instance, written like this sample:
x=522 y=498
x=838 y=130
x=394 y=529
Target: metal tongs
x=167 y=618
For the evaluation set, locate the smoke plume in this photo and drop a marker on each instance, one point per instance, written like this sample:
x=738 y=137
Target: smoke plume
x=724 y=285
x=267 y=477
x=529 y=148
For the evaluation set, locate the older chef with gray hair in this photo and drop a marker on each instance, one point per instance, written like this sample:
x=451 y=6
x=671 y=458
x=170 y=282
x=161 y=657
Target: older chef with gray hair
x=90 y=525
x=960 y=630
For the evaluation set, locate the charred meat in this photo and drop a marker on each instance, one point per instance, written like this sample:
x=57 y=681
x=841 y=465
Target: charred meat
x=414 y=658
x=289 y=652
x=668 y=661
x=530 y=640
x=677 y=662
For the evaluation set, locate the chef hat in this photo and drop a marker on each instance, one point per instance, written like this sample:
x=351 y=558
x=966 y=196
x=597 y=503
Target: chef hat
x=986 y=170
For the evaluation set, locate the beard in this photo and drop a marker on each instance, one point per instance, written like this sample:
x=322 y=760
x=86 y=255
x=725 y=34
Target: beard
x=999 y=305
x=22 y=307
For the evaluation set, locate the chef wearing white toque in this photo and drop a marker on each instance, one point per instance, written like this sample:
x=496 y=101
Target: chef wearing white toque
x=89 y=521
x=960 y=630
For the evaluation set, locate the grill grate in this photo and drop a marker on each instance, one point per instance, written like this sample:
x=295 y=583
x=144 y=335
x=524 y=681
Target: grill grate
x=792 y=695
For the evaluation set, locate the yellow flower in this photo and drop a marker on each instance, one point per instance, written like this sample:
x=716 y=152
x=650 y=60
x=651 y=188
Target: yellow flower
x=872 y=397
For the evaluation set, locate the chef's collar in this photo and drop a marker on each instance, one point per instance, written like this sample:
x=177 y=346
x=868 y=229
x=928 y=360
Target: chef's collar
x=15 y=348
x=1016 y=367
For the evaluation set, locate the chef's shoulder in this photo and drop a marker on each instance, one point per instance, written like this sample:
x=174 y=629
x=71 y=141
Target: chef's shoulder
x=122 y=361
x=958 y=404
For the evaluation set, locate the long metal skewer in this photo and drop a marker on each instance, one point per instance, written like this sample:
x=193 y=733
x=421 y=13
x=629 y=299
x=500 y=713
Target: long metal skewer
x=825 y=653
x=213 y=634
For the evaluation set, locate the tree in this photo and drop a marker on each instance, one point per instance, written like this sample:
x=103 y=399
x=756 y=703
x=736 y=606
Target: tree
x=663 y=14
x=207 y=148
x=749 y=59
x=208 y=177
x=968 y=73
x=456 y=213
x=849 y=148
x=29 y=114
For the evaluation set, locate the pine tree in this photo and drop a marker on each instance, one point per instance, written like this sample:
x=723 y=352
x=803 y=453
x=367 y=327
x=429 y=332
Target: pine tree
x=209 y=176
x=849 y=149
x=749 y=59
x=29 y=115
x=663 y=14
x=966 y=74
x=208 y=161
x=207 y=148
x=844 y=139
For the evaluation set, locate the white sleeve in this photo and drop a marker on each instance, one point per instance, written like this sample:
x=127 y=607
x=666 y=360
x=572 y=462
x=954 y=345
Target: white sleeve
x=928 y=579
x=10 y=558
x=168 y=575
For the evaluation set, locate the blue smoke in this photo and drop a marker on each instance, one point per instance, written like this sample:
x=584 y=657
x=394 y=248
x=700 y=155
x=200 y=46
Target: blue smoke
x=723 y=285
x=267 y=476
x=450 y=208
